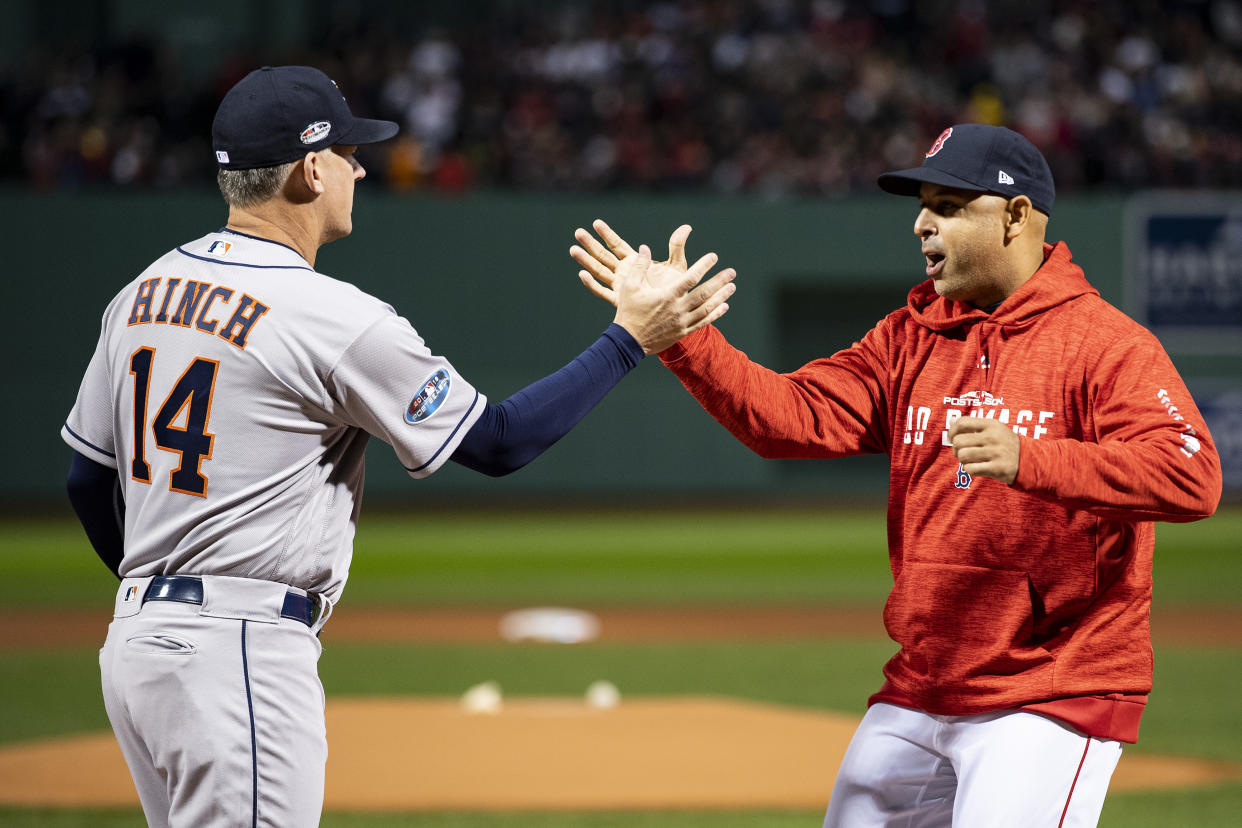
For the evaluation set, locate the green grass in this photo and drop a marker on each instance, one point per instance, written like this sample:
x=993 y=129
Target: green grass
x=1203 y=808
x=837 y=675
x=1198 y=563
x=504 y=558
x=1196 y=704
x=609 y=558
x=612 y=557
x=618 y=558
x=50 y=692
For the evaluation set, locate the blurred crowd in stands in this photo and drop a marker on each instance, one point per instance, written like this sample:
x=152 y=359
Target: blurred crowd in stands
x=766 y=98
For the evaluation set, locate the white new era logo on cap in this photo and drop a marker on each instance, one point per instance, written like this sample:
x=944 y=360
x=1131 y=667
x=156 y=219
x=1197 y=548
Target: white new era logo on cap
x=1004 y=178
x=222 y=156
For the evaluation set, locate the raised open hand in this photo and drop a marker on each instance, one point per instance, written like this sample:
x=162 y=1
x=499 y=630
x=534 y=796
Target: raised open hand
x=659 y=304
x=600 y=263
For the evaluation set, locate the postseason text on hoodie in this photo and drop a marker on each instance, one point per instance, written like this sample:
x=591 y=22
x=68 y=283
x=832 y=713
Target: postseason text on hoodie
x=1032 y=596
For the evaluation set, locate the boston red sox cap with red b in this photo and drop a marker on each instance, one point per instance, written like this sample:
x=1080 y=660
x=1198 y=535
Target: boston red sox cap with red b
x=983 y=158
x=277 y=114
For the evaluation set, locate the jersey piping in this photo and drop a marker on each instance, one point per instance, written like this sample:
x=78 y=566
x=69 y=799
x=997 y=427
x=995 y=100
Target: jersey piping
x=232 y=232
x=254 y=739
x=448 y=440
x=87 y=442
x=244 y=264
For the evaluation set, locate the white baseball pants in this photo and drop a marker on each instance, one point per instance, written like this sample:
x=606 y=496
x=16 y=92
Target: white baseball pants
x=220 y=716
x=908 y=769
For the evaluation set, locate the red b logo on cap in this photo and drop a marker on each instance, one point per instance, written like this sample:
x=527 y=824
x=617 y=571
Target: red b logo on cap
x=935 y=147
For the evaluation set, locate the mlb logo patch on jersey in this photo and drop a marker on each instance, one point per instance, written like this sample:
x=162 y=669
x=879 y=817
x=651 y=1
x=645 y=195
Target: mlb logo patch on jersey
x=429 y=398
x=131 y=594
x=219 y=248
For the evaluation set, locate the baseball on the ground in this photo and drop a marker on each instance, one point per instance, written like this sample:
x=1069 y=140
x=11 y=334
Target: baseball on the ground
x=483 y=698
x=603 y=695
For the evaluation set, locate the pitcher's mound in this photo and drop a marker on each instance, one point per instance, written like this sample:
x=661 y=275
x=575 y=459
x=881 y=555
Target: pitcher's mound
x=558 y=753
x=546 y=754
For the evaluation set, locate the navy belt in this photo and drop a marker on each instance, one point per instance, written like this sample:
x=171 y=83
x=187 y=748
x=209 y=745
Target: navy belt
x=188 y=589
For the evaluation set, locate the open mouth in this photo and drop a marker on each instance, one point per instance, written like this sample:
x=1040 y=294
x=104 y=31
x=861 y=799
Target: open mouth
x=935 y=263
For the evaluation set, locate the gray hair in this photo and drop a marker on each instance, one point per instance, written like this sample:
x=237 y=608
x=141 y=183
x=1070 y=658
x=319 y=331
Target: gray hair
x=247 y=188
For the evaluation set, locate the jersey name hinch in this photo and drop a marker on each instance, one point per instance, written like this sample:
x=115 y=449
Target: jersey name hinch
x=1026 y=422
x=191 y=305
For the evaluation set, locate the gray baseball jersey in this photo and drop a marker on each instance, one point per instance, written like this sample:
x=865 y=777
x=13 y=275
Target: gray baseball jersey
x=234 y=389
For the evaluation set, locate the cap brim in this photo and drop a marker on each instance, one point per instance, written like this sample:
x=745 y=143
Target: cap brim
x=908 y=182
x=368 y=131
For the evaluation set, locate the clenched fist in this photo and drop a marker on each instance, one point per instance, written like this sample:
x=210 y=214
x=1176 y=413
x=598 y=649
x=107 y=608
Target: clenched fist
x=986 y=447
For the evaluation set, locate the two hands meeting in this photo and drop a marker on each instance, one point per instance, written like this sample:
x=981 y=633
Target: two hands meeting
x=659 y=302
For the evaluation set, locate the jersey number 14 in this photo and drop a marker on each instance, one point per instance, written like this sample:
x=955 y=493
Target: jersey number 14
x=191 y=442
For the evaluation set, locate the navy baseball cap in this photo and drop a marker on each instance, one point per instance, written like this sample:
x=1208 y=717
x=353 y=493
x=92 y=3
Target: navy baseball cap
x=983 y=158
x=277 y=114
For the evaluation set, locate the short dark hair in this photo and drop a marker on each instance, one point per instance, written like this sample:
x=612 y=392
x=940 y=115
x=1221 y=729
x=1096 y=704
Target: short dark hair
x=246 y=188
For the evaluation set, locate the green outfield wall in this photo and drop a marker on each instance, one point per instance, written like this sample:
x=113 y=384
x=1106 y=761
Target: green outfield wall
x=487 y=280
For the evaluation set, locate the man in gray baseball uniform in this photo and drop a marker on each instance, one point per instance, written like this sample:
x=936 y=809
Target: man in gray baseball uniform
x=219 y=434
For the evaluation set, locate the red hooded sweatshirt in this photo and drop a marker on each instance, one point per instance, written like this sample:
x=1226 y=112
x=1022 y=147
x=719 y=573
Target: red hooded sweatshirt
x=1034 y=595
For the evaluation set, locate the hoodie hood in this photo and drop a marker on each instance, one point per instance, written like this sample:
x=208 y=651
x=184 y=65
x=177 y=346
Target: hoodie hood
x=1057 y=281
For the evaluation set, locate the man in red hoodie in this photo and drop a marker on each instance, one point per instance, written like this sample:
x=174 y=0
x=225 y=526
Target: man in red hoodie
x=1035 y=433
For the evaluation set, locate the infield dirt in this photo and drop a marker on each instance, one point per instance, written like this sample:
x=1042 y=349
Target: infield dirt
x=536 y=753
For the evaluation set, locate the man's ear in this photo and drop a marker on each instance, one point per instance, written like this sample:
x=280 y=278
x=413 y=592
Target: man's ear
x=1017 y=214
x=303 y=184
x=312 y=178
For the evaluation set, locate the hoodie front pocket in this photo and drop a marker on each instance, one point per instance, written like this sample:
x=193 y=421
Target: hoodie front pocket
x=960 y=626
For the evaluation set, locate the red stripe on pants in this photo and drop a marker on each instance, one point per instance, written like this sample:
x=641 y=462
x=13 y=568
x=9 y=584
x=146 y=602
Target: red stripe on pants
x=1081 y=762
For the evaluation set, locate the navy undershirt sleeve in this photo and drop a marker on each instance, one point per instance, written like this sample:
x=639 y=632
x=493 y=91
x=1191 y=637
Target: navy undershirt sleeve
x=95 y=493
x=510 y=434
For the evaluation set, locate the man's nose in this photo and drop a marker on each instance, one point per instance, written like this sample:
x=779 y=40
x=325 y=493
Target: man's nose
x=923 y=224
